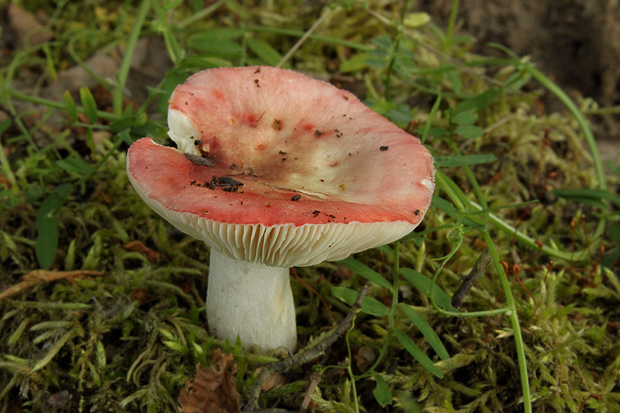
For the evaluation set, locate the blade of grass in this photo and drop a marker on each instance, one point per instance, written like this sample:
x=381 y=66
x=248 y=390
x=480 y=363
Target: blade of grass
x=497 y=208
x=424 y=284
x=365 y=271
x=201 y=14
x=328 y=12
x=511 y=308
x=6 y=168
x=425 y=328
x=369 y=304
x=417 y=352
x=456 y=196
x=463 y=160
x=58 y=105
x=90 y=106
x=587 y=193
x=431 y=116
x=320 y=38
x=514 y=321
x=123 y=71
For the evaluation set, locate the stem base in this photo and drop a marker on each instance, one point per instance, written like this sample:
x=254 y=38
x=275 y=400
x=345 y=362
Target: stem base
x=251 y=301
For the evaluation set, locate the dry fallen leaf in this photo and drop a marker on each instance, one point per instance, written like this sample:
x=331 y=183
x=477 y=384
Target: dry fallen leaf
x=41 y=276
x=364 y=358
x=273 y=381
x=138 y=246
x=213 y=390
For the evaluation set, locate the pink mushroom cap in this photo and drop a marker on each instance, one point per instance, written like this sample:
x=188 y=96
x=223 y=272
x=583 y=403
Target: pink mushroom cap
x=319 y=175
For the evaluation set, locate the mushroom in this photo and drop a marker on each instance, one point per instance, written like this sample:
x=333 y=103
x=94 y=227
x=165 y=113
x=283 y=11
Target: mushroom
x=274 y=169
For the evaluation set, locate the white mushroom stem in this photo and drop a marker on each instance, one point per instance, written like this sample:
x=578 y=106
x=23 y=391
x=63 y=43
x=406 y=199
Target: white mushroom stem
x=251 y=301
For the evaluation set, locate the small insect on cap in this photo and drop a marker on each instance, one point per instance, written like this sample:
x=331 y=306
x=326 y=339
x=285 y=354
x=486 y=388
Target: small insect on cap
x=275 y=167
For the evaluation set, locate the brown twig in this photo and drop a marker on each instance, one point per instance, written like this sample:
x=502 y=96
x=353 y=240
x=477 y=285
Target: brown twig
x=470 y=279
x=314 y=381
x=306 y=355
x=41 y=276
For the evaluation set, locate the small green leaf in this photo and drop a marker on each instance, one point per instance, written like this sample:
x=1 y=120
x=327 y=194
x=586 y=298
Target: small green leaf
x=463 y=39
x=14 y=338
x=612 y=258
x=197 y=5
x=465 y=118
x=89 y=138
x=437 y=132
x=70 y=106
x=218 y=35
x=386 y=249
x=94 y=374
x=47 y=240
x=4 y=125
x=265 y=51
x=455 y=81
x=462 y=160
x=382 y=107
x=614 y=233
x=47 y=226
x=369 y=304
x=125 y=136
x=365 y=271
x=400 y=114
x=70 y=257
x=354 y=64
x=171 y=5
x=427 y=330
x=469 y=131
x=221 y=48
x=122 y=124
x=168 y=335
x=8 y=242
x=376 y=63
x=101 y=354
x=34 y=192
x=382 y=41
x=150 y=128
x=382 y=393
x=381 y=54
x=203 y=62
x=172 y=79
x=416 y=20
x=445 y=206
x=423 y=284
x=176 y=346
x=52 y=73
x=76 y=165
x=417 y=353
x=88 y=102
x=517 y=81
x=479 y=102
x=611 y=166
x=10 y=200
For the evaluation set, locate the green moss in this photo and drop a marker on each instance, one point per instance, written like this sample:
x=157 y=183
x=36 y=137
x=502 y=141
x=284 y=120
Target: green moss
x=129 y=340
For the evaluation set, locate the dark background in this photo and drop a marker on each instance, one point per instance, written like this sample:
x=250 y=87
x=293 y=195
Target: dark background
x=575 y=42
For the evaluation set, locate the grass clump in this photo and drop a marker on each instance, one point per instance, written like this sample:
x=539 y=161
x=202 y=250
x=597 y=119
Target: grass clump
x=537 y=330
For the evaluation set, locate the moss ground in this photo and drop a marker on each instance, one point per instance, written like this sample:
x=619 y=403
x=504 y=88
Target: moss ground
x=117 y=323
